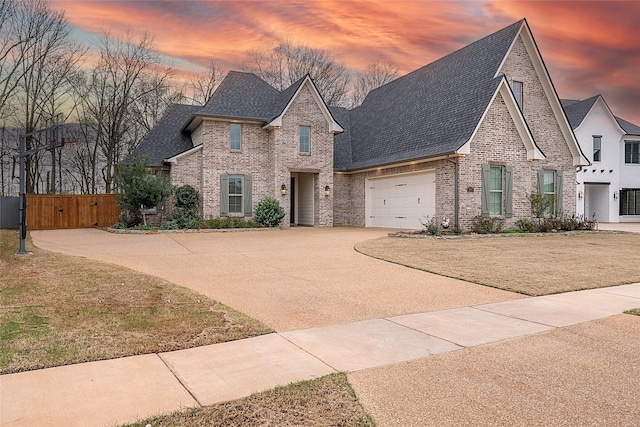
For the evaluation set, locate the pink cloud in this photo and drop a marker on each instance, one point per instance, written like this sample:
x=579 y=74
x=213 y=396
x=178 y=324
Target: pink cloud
x=588 y=46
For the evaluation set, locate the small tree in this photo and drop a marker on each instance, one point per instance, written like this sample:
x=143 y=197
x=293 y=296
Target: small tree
x=139 y=190
x=541 y=205
x=269 y=212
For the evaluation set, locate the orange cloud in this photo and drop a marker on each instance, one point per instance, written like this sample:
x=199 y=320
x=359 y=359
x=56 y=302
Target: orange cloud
x=588 y=47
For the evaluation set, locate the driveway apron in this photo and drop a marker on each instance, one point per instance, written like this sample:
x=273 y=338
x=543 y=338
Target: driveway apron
x=288 y=279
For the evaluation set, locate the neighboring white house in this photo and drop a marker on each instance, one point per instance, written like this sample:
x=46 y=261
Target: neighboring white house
x=609 y=189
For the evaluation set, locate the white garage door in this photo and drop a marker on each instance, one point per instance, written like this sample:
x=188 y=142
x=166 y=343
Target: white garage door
x=400 y=201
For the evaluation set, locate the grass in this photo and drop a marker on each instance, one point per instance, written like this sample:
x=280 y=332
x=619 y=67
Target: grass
x=634 y=311
x=528 y=264
x=326 y=401
x=58 y=310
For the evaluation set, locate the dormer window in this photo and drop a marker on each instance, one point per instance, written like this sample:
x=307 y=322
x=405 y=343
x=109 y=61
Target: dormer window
x=597 y=141
x=518 y=91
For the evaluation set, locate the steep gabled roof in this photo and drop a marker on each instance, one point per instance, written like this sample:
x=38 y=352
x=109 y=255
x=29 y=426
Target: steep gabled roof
x=166 y=138
x=430 y=111
x=242 y=95
x=286 y=99
x=577 y=110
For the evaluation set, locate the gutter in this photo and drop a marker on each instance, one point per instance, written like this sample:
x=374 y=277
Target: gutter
x=455 y=185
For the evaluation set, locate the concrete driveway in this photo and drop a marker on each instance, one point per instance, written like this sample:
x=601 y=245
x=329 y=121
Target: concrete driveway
x=288 y=279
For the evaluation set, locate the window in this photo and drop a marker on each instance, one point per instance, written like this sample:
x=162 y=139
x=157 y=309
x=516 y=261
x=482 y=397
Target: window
x=550 y=187
x=305 y=132
x=630 y=201
x=632 y=152
x=236 y=132
x=497 y=185
x=495 y=190
x=549 y=190
x=235 y=195
x=597 y=141
x=518 y=92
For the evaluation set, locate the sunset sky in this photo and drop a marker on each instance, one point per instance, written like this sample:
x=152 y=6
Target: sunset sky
x=589 y=47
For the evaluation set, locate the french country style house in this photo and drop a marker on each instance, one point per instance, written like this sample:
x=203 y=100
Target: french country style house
x=473 y=133
x=608 y=189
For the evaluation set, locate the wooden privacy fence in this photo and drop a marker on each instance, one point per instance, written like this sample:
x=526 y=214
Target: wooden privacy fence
x=54 y=211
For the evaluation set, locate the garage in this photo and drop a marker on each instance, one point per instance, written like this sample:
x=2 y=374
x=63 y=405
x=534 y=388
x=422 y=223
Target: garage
x=400 y=201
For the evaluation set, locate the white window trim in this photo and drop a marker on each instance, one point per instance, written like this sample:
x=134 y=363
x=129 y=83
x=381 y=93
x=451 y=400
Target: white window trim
x=235 y=150
x=304 y=153
x=229 y=195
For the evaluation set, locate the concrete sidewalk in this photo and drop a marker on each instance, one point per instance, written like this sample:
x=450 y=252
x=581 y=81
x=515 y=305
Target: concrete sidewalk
x=123 y=390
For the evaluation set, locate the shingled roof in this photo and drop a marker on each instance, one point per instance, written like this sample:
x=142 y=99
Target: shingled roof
x=166 y=138
x=242 y=96
x=428 y=112
x=577 y=110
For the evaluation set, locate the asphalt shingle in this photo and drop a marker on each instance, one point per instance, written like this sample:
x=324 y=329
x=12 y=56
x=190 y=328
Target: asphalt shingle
x=430 y=111
x=166 y=138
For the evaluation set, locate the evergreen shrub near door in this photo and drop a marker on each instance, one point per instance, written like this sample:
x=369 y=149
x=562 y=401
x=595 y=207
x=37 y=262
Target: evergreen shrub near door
x=269 y=212
x=185 y=210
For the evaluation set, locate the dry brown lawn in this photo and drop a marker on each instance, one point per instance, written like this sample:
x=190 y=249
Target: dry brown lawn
x=326 y=401
x=526 y=263
x=57 y=310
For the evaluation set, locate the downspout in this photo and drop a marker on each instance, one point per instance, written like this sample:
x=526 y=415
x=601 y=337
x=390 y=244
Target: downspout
x=455 y=195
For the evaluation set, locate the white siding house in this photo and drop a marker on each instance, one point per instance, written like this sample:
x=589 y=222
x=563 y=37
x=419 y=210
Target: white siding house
x=609 y=188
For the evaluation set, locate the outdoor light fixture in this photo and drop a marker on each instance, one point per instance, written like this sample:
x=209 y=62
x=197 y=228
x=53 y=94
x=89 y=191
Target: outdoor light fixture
x=615 y=195
x=580 y=195
x=327 y=190
x=283 y=189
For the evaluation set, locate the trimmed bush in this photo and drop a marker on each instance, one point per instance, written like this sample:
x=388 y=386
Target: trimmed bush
x=229 y=222
x=269 y=212
x=185 y=209
x=526 y=225
x=487 y=225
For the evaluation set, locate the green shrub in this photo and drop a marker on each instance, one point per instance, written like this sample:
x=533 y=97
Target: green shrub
x=185 y=210
x=430 y=225
x=186 y=197
x=139 y=190
x=269 y=212
x=487 y=225
x=228 y=222
x=119 y=226
x=170 y=225
x=526 y=225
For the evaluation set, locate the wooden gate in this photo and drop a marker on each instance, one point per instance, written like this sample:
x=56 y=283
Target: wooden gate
x=54 y=211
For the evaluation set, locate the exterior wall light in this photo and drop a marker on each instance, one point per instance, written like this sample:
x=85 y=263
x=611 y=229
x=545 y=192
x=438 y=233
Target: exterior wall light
x=327 y=190
x=615 y=195
x=580 y=195
x=283 y=189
